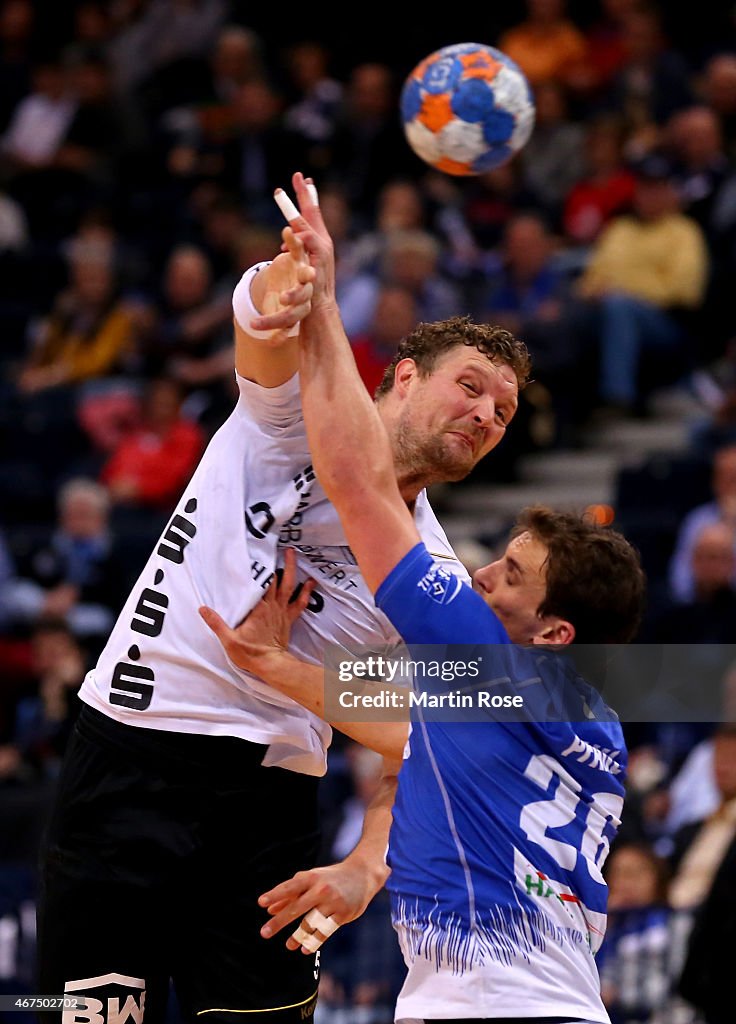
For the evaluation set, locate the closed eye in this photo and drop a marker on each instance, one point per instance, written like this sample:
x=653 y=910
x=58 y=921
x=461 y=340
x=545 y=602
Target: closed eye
x=470 y=388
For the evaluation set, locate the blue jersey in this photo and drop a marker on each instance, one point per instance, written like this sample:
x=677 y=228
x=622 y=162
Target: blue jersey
x=501 y=827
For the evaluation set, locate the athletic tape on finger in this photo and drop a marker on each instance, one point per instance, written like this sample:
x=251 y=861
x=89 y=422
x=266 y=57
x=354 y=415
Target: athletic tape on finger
x=285 y=204
x=312 y=189
x=300 y=935
x=317 y=920
x=312 y=943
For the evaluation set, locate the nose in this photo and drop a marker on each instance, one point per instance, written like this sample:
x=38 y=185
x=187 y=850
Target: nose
x=485 y=577
x=485 y=412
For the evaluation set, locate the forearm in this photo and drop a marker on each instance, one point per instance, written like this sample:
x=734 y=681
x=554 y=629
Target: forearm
x=347 y=439
x=272 y=359
x=305 y=683
x=351 y=453
x=370 y=851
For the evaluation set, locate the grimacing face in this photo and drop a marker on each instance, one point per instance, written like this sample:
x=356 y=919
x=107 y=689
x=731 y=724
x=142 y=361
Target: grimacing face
x=454 y=416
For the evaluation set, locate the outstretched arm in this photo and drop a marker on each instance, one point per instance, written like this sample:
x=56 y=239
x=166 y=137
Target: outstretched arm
x=350 y=448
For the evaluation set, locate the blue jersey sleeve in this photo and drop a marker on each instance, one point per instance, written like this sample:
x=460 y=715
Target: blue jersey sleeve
x=428 y=604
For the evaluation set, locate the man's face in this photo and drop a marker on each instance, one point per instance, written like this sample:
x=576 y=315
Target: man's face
x=515 y=586
x=450 y=419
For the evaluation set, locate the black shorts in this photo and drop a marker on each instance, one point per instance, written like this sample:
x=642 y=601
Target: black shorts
x=158 y=847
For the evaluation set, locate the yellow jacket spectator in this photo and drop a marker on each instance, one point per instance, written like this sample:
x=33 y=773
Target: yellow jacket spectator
x=646 y=269
x=87 y=334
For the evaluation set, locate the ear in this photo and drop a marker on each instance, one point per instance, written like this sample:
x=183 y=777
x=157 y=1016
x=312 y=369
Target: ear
x=404 y=374
x=559 y=632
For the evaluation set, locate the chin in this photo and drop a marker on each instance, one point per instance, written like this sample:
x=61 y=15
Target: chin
x=455 y=467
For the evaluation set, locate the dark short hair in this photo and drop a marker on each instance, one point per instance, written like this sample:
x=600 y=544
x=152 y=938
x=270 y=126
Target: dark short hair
x=427 y=342
x=594 y=575
x=659 y=865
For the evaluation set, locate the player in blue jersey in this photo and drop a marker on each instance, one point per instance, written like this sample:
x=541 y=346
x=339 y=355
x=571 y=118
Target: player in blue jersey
x=500 y=828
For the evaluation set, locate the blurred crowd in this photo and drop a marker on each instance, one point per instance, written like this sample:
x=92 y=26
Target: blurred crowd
x=140 y=142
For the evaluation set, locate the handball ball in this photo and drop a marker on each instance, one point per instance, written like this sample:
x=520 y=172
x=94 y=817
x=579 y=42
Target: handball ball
x=467 y=109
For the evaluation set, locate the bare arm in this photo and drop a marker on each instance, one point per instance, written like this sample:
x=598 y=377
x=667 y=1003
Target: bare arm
x=341 y=891
x=350 y=448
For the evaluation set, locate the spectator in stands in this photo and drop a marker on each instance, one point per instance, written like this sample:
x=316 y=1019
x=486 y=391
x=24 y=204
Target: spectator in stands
x=152 y=37
x=547 y=45
x=205 y=115
x=701 y=165
x=552 y=160
x=76 y=573
x=718 y=89
x=191 y=339
x=368 y=147
x=313 y=113
x=399 y=207
x=606 y=52
x=193 y=320
x=100 y=131
x=710 y=617
x=529 y=293
x=652 y=83
x=606 y=187
x=89 y=332
x=707 y=975
x=44 y=719
x=634 y=961
x=706 y=181
x=153 y=462
x=491 y=199
x=721 y=510
x=16 y=34
x=40 y=120
x=262 y=152
x=411 y=260
x=646 y=274
x=220 y=221
x=237 y=58
x=394 y=317
x=701 y=846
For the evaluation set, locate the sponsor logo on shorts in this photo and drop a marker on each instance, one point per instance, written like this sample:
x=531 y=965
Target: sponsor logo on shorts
x=115 y=1005
x=308 y=1009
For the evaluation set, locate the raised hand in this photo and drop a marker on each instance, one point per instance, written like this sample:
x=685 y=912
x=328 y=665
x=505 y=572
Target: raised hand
x=306 y=229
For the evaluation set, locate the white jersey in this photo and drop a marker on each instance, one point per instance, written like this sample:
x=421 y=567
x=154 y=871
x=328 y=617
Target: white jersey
x=253 y=492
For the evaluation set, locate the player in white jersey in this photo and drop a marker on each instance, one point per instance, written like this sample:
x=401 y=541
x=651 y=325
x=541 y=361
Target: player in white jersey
x=501 y=825
x=189 y=787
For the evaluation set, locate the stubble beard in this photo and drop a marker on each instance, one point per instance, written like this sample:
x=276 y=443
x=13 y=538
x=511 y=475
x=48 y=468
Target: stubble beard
x=427 y=460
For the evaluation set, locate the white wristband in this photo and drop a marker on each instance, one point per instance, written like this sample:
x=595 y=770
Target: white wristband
x=244 y=309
